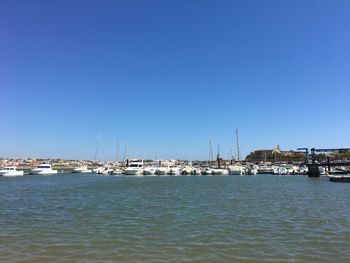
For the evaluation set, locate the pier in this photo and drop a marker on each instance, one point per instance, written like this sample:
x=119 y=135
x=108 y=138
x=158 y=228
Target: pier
x=313 y=167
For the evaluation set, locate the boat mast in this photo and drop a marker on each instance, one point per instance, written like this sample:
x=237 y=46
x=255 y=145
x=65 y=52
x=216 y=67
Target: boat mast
x=126 y=147
x=231 y=155
x=117 y=151
x=98 y=146
x=210 y=151
x=218 y=156
x=238 y=157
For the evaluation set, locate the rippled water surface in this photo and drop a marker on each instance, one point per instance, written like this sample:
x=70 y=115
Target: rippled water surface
x=89 y=218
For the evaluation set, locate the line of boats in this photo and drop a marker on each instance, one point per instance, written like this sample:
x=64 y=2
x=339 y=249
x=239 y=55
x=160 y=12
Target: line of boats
x=139 y=168
x=42 y=169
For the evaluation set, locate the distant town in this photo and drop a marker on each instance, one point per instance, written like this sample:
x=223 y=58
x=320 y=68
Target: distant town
x=275 y=155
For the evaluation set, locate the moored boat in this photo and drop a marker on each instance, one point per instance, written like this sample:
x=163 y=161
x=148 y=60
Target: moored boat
x=134 y=168
x=196 y=171
x=10 y=171
x=207 y=171
x=264 y=169
x=236 y=170
x=150 y=170
x=43 y=169
x=116 y=171
x=81 y=169
x=174 y=171
x=186 y=170
x=162 y=171
x=219 y=171
x=103 y=170
x=339 y=178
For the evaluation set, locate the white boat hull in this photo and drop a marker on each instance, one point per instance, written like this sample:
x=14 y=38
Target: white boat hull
x=133 y=172
x=43 y=172
x=11 y=173
x=149 y=171
x=80 y=171
x=219 y=172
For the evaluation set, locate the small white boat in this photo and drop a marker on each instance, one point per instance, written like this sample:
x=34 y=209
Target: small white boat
x=187 y=170
x=162 y=171
x=251 y=169
x=236 y=170
x=103 y=170
x=81 y=169
x=196 y=171
x=280 y=170
x=207 y=171
x=10 y=171
x=303 y=170
x=116 y=172
x=134 y=168
x=264 y=169
x=43 y=169
x=219 y=171
x=150 y=170
x=174 y=171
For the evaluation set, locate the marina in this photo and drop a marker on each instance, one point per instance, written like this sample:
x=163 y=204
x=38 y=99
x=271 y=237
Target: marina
x=139 y=167
x=174 y=131
x=89 y=218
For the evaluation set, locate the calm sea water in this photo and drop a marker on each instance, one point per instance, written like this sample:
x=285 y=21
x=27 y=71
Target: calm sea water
x=89 y=218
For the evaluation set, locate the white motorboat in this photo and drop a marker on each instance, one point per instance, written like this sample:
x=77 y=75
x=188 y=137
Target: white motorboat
x=81 y=169
x=187 y=170
x=280 y=170
x=264 y=169
x=251 y=169
x=10 y=171
x=219 y=171
x=162 y=171
x=174 y=171
x=150 y=170
x=134 y=168
x=207 y=171
x=236 y=170
x=43 y=169
x=103 y=170
x=303 y=170
x=196 y=171
x=116 y=172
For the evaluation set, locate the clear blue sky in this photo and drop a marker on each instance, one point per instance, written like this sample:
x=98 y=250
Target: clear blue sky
x=164 y=75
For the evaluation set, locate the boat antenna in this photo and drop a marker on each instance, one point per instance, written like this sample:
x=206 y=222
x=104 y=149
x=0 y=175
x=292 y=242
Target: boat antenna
x=237 y=141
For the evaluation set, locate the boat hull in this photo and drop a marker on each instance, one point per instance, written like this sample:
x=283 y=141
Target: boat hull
x=43 y=172
x=15 y=173
x=339 y=178
x=133 y=172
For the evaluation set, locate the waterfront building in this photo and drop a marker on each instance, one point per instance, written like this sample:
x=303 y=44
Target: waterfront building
x=275 y=155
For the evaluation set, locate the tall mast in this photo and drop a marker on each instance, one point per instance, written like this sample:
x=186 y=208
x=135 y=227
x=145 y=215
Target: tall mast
x=237 y=141
x=218 y=156
x=126 y=148
x=231 y=154
x=98 y=146
x=211 y=158
x=117 y=151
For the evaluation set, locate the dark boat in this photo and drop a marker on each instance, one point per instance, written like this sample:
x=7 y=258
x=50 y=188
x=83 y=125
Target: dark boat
x=339 y=178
